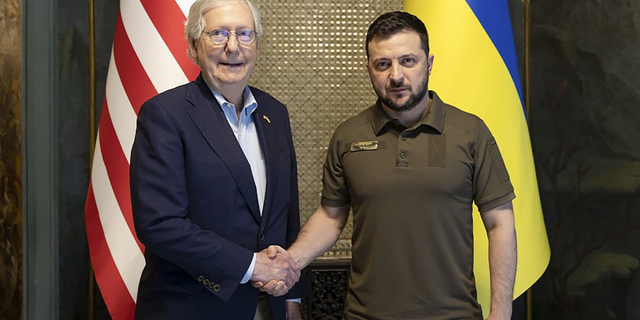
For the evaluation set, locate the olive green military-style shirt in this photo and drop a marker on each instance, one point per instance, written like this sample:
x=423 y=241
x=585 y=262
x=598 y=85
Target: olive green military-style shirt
x=411 y=191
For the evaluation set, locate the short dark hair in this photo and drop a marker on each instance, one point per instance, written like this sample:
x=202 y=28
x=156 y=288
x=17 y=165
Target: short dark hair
x=391 y=23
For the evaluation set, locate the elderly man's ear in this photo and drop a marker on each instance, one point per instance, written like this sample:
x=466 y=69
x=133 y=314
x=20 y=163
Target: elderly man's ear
x=193 y=52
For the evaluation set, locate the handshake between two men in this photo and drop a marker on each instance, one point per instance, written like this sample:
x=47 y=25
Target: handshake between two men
x=275 y=271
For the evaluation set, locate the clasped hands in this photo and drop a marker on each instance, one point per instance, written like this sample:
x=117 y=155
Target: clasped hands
x=275 y=272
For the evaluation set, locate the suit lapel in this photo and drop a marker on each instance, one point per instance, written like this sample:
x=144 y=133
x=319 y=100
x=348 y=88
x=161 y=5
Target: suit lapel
x=267 y=134
x=213 y=125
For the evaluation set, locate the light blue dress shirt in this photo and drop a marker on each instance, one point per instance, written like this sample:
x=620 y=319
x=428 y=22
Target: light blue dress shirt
x=244 y=128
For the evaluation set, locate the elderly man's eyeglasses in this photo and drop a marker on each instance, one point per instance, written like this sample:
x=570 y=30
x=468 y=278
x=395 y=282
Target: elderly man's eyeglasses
x=220 y=36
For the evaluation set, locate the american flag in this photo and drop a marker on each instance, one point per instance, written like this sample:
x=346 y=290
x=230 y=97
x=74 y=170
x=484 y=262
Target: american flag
x=149 y=56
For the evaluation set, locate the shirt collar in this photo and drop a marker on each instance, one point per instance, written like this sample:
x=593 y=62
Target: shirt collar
x=434 y=117
x=250 y=102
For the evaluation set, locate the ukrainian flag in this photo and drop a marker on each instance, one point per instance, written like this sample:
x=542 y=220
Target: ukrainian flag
x=475 y=69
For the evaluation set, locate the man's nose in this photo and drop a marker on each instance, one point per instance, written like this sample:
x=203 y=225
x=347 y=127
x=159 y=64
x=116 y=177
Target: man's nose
x=395 y=72
x=232 y=43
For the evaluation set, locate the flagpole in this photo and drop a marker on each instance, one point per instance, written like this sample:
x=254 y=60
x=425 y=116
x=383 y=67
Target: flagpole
x=527 y=17
x=92 y=136
x=527 y=104
x=92 y=82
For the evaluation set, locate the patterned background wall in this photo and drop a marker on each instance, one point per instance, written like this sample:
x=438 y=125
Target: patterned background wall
x=312 y=59
x=10 y=160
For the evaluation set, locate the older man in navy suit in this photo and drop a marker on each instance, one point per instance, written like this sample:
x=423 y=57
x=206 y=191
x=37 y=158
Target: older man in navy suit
x=213 y=182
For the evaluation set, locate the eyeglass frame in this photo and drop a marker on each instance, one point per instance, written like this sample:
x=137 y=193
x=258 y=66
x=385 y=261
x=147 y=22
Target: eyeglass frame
x=229 y=34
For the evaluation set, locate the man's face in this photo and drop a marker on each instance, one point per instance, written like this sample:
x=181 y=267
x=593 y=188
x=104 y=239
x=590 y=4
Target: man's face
x=229 y=63
x=399 y=70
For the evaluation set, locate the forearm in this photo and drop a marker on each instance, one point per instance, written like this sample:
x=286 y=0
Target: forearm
x=502 y=265
x=319 y=234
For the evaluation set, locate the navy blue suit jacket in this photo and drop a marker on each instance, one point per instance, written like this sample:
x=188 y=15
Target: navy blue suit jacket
x=195 y=206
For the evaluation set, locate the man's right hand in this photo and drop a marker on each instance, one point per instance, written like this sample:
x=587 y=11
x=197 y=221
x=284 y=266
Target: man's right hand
x=275 y=266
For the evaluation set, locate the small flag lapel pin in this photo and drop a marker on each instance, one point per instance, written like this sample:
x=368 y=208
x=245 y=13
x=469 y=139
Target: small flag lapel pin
x=266 y=118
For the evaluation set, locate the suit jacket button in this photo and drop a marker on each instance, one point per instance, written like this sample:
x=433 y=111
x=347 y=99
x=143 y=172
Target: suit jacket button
x=206 y=282
x=261 y=236
x=200 y=278
x=216 y=287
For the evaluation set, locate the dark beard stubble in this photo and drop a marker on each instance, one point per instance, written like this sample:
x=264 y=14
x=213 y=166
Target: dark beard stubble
x=413 y=101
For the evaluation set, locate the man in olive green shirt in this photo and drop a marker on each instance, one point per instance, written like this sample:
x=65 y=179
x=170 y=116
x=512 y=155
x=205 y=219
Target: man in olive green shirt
x=411 y=167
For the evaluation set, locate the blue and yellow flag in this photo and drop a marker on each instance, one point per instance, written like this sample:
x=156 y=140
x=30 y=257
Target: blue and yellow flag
x=475 y=69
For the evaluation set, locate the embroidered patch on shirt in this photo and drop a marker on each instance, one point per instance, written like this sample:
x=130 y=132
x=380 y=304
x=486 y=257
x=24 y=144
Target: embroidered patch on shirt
x=437 y=150
x=366 y=146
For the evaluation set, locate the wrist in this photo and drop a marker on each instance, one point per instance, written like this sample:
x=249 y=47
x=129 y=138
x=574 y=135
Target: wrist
x=298 y=257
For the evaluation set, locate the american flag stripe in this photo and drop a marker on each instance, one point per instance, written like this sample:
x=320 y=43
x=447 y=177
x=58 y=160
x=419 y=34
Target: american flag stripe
x=184 y=6
x=113 y=289
x=122 y=244
x=148 y=57
x=132 y=74
x=118 y=171
x=159 y=63
x=120 y=109
x=171 y=29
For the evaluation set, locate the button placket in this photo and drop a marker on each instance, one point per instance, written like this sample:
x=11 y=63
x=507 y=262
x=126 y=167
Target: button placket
x=402 y=151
